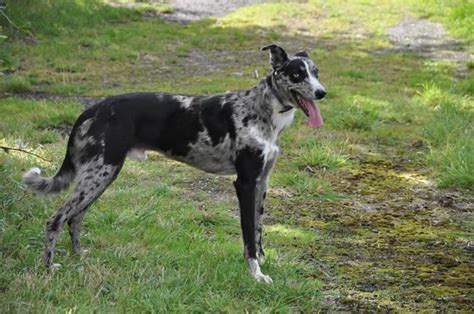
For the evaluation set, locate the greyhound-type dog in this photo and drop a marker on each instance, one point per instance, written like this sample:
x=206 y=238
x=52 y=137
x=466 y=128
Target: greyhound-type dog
x=232 y=133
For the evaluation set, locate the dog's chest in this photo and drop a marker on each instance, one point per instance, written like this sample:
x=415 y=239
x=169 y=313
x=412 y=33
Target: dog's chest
x=282 y=120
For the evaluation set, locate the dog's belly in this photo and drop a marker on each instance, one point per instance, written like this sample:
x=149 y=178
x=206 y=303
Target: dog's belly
x=217 y=159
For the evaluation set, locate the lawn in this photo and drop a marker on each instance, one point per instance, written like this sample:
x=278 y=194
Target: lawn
x=373 y=212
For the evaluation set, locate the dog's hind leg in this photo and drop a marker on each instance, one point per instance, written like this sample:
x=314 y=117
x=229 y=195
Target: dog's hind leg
x=93 y=178
x=74 y=231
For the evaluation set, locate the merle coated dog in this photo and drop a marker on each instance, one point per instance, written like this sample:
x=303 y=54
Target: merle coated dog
x=232 y=133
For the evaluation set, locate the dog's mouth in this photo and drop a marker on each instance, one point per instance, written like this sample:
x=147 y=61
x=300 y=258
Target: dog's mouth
x=310 y=109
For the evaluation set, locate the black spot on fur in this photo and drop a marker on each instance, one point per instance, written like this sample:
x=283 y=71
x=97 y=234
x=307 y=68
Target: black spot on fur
x=105 y=174
x=248 y=118
x=218 y=119
x=90 y=151
x=295 y=68
x=147 y=120
x=81 y=197
x=55 y=223
x=181 y=129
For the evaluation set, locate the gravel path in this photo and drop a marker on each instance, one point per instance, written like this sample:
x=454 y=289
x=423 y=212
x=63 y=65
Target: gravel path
x=186 y=11
x=427 y=39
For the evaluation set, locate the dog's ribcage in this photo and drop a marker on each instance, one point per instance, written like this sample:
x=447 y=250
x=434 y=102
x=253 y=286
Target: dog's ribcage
x=230 y=122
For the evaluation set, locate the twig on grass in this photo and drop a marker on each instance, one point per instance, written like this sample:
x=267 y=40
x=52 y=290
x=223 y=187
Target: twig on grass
x=8 y=149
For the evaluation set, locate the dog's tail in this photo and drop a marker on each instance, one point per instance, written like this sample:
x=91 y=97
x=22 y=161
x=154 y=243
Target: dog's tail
x=47 y=185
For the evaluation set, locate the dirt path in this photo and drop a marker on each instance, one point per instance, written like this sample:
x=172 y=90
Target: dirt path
x=191 y=10
x=426 y=39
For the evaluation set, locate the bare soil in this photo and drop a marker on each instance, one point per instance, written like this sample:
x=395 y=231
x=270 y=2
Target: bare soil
x=427 y=39
x=191 y=10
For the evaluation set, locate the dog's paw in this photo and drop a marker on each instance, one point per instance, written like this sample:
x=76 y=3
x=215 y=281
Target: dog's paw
x=54 y=266
x=256 y=272
x=263 y=278
x=80 y=252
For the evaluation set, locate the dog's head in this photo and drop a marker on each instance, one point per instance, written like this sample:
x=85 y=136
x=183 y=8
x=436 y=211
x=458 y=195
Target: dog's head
x=297 y=81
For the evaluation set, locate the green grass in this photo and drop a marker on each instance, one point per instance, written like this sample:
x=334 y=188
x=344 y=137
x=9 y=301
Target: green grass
x=15 y=85
x=450 y=137
x=354 y=209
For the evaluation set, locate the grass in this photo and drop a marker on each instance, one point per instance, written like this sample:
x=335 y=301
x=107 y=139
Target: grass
x=449 y=136
x=15 y=85
x=354 y=214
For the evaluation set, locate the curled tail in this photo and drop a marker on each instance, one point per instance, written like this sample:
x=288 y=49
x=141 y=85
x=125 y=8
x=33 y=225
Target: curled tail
x=47 y=185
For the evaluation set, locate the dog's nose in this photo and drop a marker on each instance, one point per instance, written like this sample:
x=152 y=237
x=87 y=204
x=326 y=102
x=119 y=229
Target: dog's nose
x=320 y=93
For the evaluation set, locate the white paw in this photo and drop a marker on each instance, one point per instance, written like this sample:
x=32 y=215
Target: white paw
x=256 y=272
x=263 y=278
x=55 y=266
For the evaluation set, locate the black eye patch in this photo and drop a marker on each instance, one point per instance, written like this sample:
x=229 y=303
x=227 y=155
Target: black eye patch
x=295 y=70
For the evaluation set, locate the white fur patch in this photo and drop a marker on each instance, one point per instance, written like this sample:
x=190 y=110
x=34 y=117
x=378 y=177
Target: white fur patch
x=184 y=100
x=33 y=172
x=256 y=272
x=313 y=80
x=137 y=154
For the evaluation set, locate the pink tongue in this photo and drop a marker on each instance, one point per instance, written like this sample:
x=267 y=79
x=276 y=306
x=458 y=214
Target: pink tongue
x=315 y=119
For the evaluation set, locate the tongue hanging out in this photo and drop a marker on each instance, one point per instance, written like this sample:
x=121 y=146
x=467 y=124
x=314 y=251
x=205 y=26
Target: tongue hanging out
x=315 y=120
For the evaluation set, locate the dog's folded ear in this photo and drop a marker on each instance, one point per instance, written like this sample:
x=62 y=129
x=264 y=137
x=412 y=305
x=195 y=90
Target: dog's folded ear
x=278 y=56
x=303 y=54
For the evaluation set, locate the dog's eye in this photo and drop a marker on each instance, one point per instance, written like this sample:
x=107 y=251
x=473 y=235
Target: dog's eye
x=296 y=75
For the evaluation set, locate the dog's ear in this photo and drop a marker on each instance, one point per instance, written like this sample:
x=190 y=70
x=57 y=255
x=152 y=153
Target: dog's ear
x=278 y=56
x=303 y=54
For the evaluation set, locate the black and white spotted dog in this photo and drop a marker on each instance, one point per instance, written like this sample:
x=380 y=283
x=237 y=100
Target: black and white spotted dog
x=233 y=133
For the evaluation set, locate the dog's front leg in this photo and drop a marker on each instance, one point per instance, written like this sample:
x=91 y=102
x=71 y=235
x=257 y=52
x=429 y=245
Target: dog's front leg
x=249 y=167
x=261 y=192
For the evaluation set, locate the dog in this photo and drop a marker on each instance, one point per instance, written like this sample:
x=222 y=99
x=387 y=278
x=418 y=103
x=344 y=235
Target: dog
x=231 y=133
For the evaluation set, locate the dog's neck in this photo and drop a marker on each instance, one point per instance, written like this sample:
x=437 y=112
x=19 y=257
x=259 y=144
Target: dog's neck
x=281 y=105
x=269 y=103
